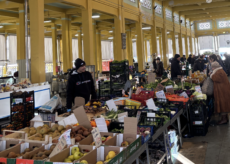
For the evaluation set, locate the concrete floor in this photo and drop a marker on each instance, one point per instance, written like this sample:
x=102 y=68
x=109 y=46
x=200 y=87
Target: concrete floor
x=218 y=140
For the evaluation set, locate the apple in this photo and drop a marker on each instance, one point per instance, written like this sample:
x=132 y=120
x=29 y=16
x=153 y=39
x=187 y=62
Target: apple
x=71 y=157
x=108 y=138
x=77 y=155
x=103 y=139
x=124 y=144
x=74 y=149
x=84 y=161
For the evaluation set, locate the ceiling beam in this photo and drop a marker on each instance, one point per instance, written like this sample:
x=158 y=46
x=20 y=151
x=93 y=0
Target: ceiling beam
x=53 y=8
x=52 y=1
x=16 y=1
x=204 y=11
x=9 y=14
x=10 y=27
x=210 y=18
x=210 y=15
x=202 y=6
x=188 y=2
x=7 y=5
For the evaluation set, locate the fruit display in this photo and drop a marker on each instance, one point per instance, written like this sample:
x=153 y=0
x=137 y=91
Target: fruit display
x=143 y=131
x=40 y=132
x=76 y=154
x=93 y=123
x=93 y=109
x=124 y=144
x=103 y=139
x=108 y=157
x=84 y=162
x=79 y=133
x=154 y=85
x=39 y=155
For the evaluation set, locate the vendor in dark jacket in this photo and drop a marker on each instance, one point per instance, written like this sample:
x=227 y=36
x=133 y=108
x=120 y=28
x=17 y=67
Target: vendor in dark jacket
x=80 y=84
x=183 y=59
x=175 y=67
x=199 y=64
x=155 y=64
x=160 y=68
x=189 y=59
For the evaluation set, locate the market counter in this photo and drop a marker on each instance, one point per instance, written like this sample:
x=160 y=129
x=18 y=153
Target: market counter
x=41 y=96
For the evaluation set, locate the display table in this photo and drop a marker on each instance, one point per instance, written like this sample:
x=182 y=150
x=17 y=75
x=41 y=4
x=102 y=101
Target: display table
x=41 y=96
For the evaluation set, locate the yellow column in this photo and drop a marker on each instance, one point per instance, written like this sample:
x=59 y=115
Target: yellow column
x=195 y=46
x=37 y=41
x=54 y=46
x=165 y=47
x=190 y=44
x=119 y=23
x=160 y=44
x=186 y=45
x=99 y=55
x=65 y=42
x=129 y=46
x=87 y=30
x=79 y=44
x=70 y=62
x=140 y=46
x=151 y=47
x=154 y=37
x=180 y=44
x=173 y=42
x=146 y=51
x=198 y=47
x=95 y=45
x=21 y=53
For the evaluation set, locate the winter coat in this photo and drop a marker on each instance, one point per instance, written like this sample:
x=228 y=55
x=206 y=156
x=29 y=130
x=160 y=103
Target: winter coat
x=155 y=64
x=183 y=59
x=198 y=65
x=221 y=91
x=160 y=69
x=80 y=85
x=189 y=60
x=175 y=68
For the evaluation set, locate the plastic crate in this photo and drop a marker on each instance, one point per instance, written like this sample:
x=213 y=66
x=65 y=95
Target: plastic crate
x=130 y=109
x=198 y=113
x=147 y=137
x=199 y=130
x=143 y=96
x=5 y=127
x=115 y=125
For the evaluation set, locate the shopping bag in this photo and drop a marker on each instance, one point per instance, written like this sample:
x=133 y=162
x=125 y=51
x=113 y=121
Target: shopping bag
x=207 y=87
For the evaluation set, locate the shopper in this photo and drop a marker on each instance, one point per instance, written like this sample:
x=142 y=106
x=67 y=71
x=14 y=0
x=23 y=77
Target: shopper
x=221 y=92
x=193 y=60
x=214 y=58
x=160 y=68
x=198 y=65
x=175 y=67
x=189 y=59
x=227 y=63
x=80 y=84
x=183 y=59
x=155 y=64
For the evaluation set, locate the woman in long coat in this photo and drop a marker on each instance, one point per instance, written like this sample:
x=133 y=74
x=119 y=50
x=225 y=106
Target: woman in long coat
x=221 y=92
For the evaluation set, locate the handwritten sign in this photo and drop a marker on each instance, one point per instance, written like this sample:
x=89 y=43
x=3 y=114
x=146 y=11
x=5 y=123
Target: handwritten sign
x=151 y=115
x=159 y=87
x=101 y=124
x=59 y=147
x=122 y=116
x=169 y=89
x=198 y=89
x=111 y=104
x=184 y=94
x=96 y=137
x=66 y=135
x=151 y=105
x=161 y=95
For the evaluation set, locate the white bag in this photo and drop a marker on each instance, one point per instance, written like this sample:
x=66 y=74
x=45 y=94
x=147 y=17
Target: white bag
x=52 y=104
x=207 y=87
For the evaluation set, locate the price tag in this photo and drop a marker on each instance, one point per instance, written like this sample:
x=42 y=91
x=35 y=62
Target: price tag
x=167 y=87
x=151 y=105
x=66 y=135
x=101 y=124
x=59 y=147
x=198 y=89
x=161 y=95
x=159 y=87
x=111 y=105
x=184 y=94
x=151 y=115
x=122 y=116
x=96 y=137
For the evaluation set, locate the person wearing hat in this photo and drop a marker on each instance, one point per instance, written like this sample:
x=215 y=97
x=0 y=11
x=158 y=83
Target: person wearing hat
x=160 y=68
x=175 y=67
x=80 y=84
x=221 y=91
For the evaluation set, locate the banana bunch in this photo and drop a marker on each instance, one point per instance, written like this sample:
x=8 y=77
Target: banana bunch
x=97 y=103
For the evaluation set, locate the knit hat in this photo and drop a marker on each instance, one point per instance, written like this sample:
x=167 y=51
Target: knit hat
x=177 y=56
x=215 y=65
x=158 y=58
x=79 y=63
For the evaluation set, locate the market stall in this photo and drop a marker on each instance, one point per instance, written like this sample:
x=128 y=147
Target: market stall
x=41 y=96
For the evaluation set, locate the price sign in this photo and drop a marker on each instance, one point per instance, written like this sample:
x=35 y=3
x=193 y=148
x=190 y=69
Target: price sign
x=198 y=89
x=184 y=94
x=138 y=116
x=161 y=95
x=96 y=137
x=101 y=124
x=111 y=105
x=151 y=105
x=159 y=87
x=169 y=89
x=66 y=135
x=59 y=147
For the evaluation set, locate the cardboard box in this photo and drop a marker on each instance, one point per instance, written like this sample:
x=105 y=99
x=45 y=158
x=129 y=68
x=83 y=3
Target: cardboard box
x=130 y=135
x=100 y=154
x=6 y=144
x=61 y=156
x=89 y=140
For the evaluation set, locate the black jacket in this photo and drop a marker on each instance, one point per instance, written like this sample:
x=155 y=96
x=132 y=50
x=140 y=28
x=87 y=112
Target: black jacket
x=175 y=68
x=160 y=69
x=80 y=85
x=182 y=59
x=155 y=64
x=189 y=60
x=198 y=65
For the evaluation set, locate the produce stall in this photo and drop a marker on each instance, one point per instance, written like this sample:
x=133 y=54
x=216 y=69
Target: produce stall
x=41 y=96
